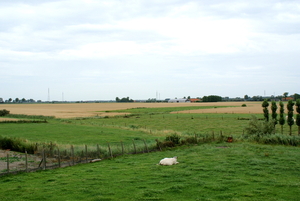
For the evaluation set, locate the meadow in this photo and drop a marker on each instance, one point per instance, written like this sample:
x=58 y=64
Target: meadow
x=209 y=171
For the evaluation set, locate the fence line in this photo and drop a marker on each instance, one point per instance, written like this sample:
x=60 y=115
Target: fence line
x=50 y=158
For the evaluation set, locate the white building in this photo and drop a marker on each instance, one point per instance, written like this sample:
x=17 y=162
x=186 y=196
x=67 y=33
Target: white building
x=180 y=100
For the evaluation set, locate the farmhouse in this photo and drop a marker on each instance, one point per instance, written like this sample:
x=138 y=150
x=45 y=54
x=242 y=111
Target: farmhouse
x=180 y=100
x=193 y=100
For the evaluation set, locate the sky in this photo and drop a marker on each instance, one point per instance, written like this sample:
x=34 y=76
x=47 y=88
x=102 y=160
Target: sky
x=98 y=50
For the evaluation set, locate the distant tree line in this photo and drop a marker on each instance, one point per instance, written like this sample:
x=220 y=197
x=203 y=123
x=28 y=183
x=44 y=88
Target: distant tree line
x=211 y=98
x=18 y=100
x=124 y=100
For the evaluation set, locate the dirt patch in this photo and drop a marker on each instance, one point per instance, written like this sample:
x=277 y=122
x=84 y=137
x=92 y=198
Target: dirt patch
x=17 y=161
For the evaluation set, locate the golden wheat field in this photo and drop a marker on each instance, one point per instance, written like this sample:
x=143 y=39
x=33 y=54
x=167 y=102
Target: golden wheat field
x=71 y=110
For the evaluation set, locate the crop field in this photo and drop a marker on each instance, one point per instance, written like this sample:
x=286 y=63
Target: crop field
x=99 y=109
x=216 y=170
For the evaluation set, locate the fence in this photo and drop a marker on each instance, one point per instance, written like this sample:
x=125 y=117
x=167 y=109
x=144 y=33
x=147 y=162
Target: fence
x=52 y=157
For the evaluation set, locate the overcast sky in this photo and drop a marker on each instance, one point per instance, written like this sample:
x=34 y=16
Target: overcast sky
x=100 y=50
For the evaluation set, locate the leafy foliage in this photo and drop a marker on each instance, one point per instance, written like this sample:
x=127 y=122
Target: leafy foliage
x=265 y=105
x=17 y=144
x=290 y=119
x=4 y=112
x=259 y=128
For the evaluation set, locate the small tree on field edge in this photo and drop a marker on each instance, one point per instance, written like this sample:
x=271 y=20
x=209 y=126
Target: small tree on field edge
x=281 y=116
x=290 y=119
x=265 y=105
x=274 y=114
x=298 y=115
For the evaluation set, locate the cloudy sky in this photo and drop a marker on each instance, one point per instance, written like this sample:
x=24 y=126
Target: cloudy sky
x=103 y=49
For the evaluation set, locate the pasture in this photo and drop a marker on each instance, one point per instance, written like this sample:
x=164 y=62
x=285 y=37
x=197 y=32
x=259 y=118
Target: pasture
x=211 y=171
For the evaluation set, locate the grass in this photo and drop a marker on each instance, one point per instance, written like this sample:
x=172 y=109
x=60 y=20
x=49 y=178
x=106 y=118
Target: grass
x=212 y=171
x=163 y=110
x=236 y=171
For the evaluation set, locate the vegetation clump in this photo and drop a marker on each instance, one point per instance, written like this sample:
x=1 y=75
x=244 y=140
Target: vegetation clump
x=4 y=112
x=259 y=128
x=17 y=144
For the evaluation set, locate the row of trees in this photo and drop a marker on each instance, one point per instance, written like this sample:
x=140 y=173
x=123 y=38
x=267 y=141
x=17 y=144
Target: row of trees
x=290 y=114
x=18 y=100
x=212 y=98
x=124 y=100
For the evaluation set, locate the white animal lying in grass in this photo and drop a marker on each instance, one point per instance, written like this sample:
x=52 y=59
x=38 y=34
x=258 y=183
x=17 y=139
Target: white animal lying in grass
x=168 y=161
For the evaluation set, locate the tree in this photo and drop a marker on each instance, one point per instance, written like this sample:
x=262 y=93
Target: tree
x=281 y=118
x=290 y=119
x=124 y=100
x=10 y=99
x=246 y=97
x=285 y=94
x=211 y=98
x=296 y=97
x=298 y=115
x=17 y=100
x=265 y=105
x=274 y=114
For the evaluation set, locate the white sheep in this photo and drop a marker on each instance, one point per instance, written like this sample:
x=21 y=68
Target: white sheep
x=168 y=161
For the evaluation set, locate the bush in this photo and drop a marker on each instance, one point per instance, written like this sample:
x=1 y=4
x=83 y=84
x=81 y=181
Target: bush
x=244 y=105
x=4 y=112
x=277 y=139
x=17 y=144
x=173 y=138
x=259 y=128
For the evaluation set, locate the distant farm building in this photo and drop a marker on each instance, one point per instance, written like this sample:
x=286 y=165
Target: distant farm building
x=194 y=100
x=180 y=100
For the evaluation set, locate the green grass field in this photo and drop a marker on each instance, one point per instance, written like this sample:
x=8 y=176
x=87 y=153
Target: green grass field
x=212 y=171
x=238 y=171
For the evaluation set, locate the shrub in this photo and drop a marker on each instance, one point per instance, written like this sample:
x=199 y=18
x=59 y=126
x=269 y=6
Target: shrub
x=259 y=128
x=189 y=140
x=244 y=105
x=278 y=139
x=4 y=112
x=175 y=138
x=17 y=144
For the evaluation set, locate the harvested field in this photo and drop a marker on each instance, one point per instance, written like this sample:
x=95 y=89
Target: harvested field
x=72 y=110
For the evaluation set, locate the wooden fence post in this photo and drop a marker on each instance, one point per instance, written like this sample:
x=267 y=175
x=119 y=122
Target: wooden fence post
x=110 y=152
x=98 y=150
x=146 y=146
x=86 y=154
x=7 y=163
x=44 y=159
x=26 y=161
x=58 y=157
x=72 y=155
x=134 y=146
x=51 y=149
x=122 y=148
x=157 y=143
